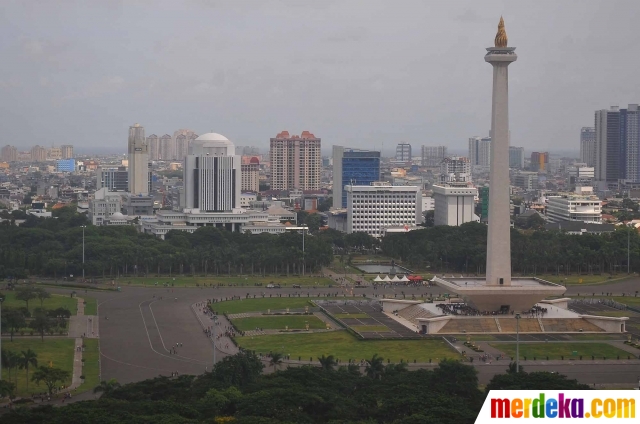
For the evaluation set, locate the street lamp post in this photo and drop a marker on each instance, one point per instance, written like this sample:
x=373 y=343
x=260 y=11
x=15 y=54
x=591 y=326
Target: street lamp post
x=215 y=324
x=303 y=264
x=83 y=227
x=628 y=249
x=517 y=343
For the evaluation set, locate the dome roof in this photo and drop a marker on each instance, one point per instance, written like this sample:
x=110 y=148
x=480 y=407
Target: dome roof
x=254 y=160
x=117 y=215
x=212 y=137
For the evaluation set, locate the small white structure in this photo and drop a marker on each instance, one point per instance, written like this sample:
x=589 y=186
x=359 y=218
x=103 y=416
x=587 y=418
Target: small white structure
x=574 y=208
x=404 y=279
x=395 y=279
x=386 y=278
x=377 y=278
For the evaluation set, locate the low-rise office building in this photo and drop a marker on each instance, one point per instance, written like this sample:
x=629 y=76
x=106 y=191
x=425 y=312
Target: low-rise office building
x=574 y=208
x=454 y=205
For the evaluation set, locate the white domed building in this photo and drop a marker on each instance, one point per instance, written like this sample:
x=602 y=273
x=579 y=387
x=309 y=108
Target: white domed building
x=211 y=175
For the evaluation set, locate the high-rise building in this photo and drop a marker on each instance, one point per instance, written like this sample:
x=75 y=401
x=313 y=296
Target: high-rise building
x=251 y=175
x=9 y=153
x=480 y=151
x=403 y=152
x=138 y=161
x=166 y=147
x=539 y=161
x=433 y=155
x=54 y=153
x=588 y=145
x=38 y=154
x=67 y=151
x=113 y=178
x=181 y=141
x=65 y=165
x=453 y=205
x=629 y=143
x=607 y=166
x=212 y=177
x=516 y=157
x=373 y=208
x=154 y=147
x=295 y=161
x=455 y=169
x=353 y=167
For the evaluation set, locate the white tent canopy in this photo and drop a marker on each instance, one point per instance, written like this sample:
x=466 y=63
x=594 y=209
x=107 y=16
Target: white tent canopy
x=377 y=278
x=404 y=278
x=386 y=278
x=395 y=278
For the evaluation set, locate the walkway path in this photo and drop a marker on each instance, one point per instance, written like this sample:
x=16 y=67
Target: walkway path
x=76 y=381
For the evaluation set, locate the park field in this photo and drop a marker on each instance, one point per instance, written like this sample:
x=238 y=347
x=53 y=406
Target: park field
x=58 y=351
x=91 y=368
x=345 y=346
x=279 y=322
x=239 y=281
x=90 y=306
x=54 y=302
x=261 y=304
x=347 y=315
x=557 y=350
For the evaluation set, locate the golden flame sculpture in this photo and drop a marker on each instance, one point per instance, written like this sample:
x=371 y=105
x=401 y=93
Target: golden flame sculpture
x=501 y=36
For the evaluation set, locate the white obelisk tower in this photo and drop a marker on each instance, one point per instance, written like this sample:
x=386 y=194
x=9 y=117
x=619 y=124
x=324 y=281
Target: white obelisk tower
x=499 y=240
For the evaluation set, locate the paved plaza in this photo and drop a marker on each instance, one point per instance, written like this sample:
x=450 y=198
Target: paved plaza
x=139 y=327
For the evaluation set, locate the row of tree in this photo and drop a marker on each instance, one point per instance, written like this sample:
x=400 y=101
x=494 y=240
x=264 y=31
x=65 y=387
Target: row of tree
x=236 y=390
x=464 y=249
x=54 y=247
x=12 y=361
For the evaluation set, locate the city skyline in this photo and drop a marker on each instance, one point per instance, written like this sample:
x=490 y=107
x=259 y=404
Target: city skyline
x=66 y=69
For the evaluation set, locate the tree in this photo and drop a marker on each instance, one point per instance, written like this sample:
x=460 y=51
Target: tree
x=240 y=370
x=276 y=359
x=327 y=362
x=50 y=376
x=26 y=294
x=375 y=367
x=429 y=218
x=42 y=295
x=106 y=387
x=512 y=368
x=14 y=320
x=7 y=388
x=313 y=221
x=41 y=323
x=28 y=358
x=10 y=360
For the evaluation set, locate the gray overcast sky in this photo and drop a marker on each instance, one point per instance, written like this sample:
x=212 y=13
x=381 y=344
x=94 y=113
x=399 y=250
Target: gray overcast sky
x=358 y=73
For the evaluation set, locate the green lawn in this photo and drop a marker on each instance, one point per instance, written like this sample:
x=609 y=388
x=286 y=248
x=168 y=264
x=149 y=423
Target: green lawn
x=261 y=305
x=91 y=368
x=598 y=336
x=370 y=328
x=57 y=351
x=279 y=322
x=345 y=346
x=91 y=306
x=557 y=350
x=248 y=281
x=54 y=302
x=358 y=315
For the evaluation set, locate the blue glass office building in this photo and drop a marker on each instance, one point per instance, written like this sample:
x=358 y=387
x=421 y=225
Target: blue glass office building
x=66 y=165
x=353 y=167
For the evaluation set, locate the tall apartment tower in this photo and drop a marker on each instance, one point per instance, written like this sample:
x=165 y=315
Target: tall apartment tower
x=403 y=152
x=138 y=161
x=607 y=166
x=38 y=154
x=354 y=167
x=166 y=147
x=295 y=161
x=588 y=145
x=212 y=175
x=250 y=173
x=629 y=143
x=539 y=161
x=9 y=153
x=154 y=147
x=480 y=151
x=516 y=157
x=433 y=155
x=67 y=151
